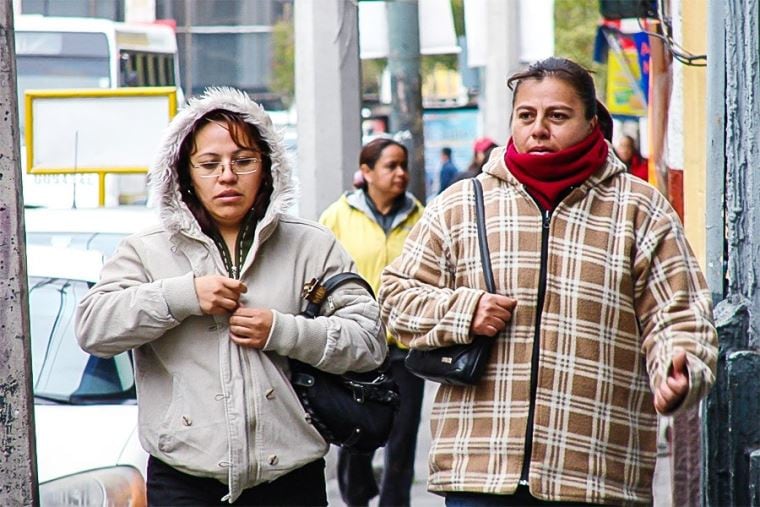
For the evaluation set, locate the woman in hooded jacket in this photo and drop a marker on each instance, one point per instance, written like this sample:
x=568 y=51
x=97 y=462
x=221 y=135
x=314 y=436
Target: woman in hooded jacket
x=209 y=303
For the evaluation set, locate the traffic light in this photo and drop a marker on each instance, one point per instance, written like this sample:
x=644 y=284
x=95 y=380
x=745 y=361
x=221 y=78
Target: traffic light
x=617 y=9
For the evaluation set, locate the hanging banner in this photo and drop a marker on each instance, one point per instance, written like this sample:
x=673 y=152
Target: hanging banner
x=641 y=39
x=624 y=95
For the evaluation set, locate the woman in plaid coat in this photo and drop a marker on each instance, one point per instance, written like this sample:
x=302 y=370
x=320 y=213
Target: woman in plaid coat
x=601 y=317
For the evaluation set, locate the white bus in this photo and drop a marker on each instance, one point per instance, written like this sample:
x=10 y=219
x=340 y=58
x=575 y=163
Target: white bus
x=71 y=53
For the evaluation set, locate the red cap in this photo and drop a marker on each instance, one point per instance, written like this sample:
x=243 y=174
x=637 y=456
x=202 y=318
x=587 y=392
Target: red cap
x=482 y=144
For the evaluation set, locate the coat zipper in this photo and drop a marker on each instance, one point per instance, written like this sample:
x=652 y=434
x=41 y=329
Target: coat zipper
x=545 y=222
x=233 y=270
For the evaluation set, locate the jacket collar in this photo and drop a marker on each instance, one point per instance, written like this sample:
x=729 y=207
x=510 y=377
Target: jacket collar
x=358 y=200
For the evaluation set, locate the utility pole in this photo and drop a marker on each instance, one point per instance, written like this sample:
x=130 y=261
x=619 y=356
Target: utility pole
x=406 y=86
x=18 y=469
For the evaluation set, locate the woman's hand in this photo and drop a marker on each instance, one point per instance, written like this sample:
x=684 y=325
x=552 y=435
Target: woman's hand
x=249 y=327
x=673 y=389
x=217 y=294
x=492 y=314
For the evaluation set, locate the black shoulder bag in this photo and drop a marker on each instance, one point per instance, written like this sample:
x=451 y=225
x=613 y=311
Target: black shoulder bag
x=353 y=410
x=460 y=365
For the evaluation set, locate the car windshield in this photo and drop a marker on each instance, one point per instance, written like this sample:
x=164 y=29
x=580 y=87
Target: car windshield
x=63 y=372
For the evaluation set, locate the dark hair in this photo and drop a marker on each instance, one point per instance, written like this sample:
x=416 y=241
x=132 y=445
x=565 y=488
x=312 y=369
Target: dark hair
x=486 y=156
x=446 y=151
x=372 y=151
x=634 y=143
x=560 y=68
x=244 y=135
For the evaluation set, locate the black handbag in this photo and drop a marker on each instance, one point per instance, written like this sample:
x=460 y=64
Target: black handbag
x=352 y=410
x=460 y=365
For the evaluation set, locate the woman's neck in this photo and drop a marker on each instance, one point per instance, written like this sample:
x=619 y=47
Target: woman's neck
x=229 y=235
x=383 y=202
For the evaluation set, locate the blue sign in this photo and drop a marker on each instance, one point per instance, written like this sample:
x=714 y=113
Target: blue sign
x=453 y=128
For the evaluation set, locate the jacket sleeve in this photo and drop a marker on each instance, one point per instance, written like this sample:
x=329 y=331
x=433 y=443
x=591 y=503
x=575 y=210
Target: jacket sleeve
x=674 y=307
x=419 y=301
x=347 y=336
x=126 y=309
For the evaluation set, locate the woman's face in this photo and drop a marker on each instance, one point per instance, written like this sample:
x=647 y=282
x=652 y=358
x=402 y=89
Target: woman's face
x=227 y=197
x=548 y=116
x=389 y=176
x=625 y=149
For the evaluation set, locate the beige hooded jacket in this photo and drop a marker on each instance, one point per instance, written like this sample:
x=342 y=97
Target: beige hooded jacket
x=207 y=406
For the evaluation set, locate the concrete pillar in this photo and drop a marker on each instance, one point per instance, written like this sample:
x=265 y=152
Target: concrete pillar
x=18 y=471
x=503 y=37
x=328 y=100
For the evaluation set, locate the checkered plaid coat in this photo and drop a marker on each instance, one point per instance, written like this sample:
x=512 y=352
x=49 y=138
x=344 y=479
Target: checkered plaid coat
x=623 y=290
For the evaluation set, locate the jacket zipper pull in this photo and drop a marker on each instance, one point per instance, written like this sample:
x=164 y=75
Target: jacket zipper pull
x=547 y=219
x=235 y=273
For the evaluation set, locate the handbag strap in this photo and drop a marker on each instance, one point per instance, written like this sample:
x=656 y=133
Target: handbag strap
x=316 y=291
x=480 y=219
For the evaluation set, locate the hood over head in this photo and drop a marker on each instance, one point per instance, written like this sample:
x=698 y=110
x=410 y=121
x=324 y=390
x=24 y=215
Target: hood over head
x=163 y=176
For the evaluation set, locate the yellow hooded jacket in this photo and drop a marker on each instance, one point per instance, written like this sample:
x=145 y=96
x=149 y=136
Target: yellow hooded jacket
x=351 y=220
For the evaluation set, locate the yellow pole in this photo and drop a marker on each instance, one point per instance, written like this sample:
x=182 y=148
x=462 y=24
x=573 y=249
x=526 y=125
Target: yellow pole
x=101 y=189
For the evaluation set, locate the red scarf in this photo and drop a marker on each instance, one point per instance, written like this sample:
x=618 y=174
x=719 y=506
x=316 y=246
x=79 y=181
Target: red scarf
x=547 y=177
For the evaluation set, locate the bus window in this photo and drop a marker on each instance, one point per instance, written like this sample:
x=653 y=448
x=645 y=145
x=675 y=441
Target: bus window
x=127 y=71
x=47 y=60
x=169 y=69
x=152 y=71
x=140 y=69
x=161 y=70
x=147 y=69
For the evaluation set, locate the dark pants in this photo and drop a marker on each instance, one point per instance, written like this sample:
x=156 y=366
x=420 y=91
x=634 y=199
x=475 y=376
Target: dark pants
x=355 y=477
x=522 y=497
x=170 y=487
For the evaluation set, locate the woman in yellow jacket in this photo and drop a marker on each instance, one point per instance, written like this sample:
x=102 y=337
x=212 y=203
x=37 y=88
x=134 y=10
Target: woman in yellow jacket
x=372 y=223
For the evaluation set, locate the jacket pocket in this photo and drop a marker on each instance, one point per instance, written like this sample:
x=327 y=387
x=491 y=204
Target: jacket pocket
x=170 y=424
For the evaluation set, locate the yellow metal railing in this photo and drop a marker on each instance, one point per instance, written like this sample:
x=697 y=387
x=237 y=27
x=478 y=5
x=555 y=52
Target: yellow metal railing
x=31 y=95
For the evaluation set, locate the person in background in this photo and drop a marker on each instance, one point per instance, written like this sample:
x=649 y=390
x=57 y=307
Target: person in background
x=448 y=169
x=480 y=147
x=481 y=153
x=601 y=318
x=628 y=152
x=372 y=224
x=209 y=303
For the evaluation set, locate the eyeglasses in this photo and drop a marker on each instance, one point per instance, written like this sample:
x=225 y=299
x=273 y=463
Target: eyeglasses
x=239 y=166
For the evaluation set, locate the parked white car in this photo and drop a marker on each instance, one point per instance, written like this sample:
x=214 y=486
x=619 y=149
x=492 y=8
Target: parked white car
x=98 y=229
x=88 y=452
